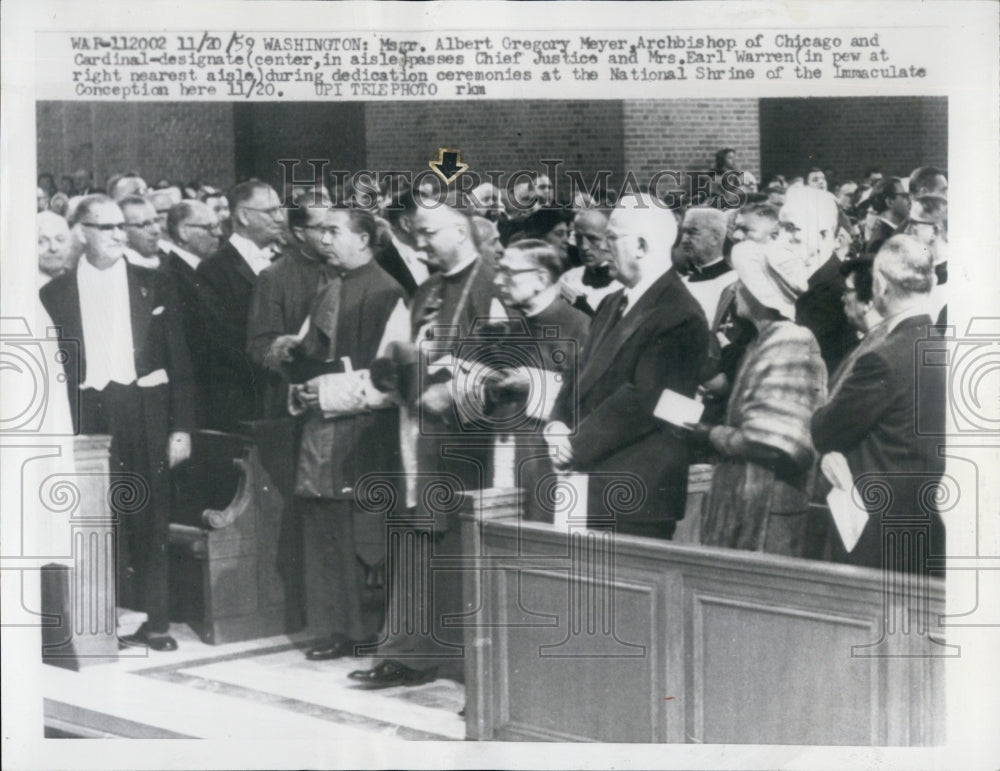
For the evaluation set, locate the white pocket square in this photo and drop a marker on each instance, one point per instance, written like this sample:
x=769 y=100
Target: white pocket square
x=158 y=310
x=154 y=378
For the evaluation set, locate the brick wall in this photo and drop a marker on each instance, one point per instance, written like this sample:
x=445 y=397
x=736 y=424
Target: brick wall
x=200 y=140
x=684 y=134
x=162 y=139
x=498 y=135
x=850 y=135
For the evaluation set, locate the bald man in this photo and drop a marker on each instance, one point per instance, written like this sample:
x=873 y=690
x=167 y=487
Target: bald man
x=585 y=286
x=703 y=233
x=487 y=238
x=650 y=336
x=53 y=246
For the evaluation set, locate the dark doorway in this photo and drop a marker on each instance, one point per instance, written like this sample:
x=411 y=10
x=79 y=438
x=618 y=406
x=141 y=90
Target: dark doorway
x=267 y=132
x=851 y=135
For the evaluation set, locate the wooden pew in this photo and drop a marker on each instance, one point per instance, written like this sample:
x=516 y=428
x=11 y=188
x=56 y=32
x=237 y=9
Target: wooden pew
x=583 y=635
x=234 y=544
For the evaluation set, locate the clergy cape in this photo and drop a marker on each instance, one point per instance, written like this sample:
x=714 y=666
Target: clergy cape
x=450 y=309
x=337 y=451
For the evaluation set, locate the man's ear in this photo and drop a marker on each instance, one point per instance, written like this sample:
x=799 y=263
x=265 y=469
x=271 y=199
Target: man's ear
x=643 y=245
x=297 y=233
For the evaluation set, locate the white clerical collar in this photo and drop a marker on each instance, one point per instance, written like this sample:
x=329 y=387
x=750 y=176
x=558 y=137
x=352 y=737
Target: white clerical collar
x=543 y=300
x=192 y=260
x=634 y=294
x=462 y=265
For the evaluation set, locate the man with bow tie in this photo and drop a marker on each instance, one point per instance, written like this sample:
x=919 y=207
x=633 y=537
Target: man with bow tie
x=128 y=374
x=650 y=336
x=586 y=285
x=236 y=383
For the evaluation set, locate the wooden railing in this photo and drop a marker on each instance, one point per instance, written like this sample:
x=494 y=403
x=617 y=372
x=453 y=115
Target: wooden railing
x=579 y=634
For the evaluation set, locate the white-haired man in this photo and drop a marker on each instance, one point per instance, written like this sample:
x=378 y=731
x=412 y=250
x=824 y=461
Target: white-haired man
x=53 y=247
x=650 y=336
x=887 y=418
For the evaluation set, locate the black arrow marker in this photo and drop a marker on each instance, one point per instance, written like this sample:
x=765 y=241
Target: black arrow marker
x=448 y=164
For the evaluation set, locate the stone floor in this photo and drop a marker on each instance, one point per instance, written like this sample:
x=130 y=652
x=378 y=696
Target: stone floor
x=238 y=690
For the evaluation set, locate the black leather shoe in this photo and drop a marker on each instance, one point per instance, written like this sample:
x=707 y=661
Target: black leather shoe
x=158 y=642
x=332 y=649
x=391 y=673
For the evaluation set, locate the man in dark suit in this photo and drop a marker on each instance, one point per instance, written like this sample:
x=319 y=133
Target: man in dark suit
x=194 y=233
x=394 y=247
x=888 y=417
x=142 y=228
x=128 y=374
x=650 y=336
x=227 y=279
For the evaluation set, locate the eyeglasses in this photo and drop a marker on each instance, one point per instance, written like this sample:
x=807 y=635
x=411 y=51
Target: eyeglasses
x=508 y=272
x=210 y=228
x=143 y=224
x=104 y=226
x=271 y=210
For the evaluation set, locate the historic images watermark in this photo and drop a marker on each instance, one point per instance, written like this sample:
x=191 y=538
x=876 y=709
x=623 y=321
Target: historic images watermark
x=447 y=178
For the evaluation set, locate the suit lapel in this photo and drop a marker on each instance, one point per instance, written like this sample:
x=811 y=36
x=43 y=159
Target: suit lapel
x=141 y=300
x=73 y=321
x=241 y=265
x=610 y=341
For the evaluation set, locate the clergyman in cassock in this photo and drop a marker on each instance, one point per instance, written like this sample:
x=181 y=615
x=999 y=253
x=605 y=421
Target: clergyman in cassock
x=351 y=429
x=415 y=647
x=284 y=292
x=554 y=332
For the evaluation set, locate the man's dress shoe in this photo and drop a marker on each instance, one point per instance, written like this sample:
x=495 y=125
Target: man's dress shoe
x=391 y=673
x=158 y=642
x=332 y=649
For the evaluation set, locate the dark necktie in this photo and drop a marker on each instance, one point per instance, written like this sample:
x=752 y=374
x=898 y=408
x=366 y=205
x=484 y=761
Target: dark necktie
x=621 y=303
x=620 y=310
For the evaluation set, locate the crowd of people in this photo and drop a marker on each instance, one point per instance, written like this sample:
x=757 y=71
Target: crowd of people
x=791 y=313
